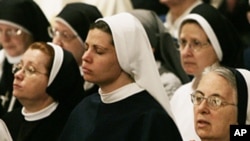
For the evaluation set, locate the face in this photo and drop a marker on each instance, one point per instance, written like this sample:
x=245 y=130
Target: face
x=72 y=44
x=14 y=44
x=193 y=62
x=99 y=62
x=31 y=87
x=215 y=123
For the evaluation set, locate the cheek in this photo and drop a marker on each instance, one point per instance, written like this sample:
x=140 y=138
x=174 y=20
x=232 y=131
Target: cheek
x=204 y=60
x=111 y=64
x=40 y=84
x=31 y=89
x=223 y=120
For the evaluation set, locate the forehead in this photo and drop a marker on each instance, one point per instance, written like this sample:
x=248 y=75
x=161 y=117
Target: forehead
x=192 y=28
x=59 y=25
x=97 y=36
x=213 y=83
x=35 y=56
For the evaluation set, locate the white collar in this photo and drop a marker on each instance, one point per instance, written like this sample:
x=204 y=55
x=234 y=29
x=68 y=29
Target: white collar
x=120 y=94
x=40 y=114
x=12 y=60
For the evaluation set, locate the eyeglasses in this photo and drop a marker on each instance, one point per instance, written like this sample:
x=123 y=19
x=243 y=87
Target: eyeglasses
x=28 y=71
x=65 y=36
x=194 y=45
x=11 y=32
x=213 y=101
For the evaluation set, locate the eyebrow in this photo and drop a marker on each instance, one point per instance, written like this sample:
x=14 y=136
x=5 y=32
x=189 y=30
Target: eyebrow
x=213 y=94
x=30 y=63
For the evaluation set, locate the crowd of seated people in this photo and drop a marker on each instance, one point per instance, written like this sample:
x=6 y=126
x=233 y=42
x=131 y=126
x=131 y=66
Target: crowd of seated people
x=109 y=70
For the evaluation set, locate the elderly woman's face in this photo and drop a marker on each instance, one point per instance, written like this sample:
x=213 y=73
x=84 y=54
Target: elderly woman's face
x=196 y=52
x=31 y=77
x=99 y=62
x=214 y=123
x=64 y=37
x=14 y=40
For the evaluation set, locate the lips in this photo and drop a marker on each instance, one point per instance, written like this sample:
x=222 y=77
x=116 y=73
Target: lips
x=86 y=70
x=188 y=63
x=202 y=123
x=16 y=86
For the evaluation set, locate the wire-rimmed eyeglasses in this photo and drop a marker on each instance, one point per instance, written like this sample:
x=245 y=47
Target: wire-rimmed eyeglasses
x=65 y=36
x=28 y=70
x=213 y=101
x=194 y=45
x=11 y=32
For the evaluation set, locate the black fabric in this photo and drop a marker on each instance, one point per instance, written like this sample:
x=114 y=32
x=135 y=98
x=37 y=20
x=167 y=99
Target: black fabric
x=47 y=129
x=136 y=118
x=242 y=94
x=6 y=87
x=238 y=17
x=27 y=14
x=229 y=39
x=6 y=81
x=67 y=87
x=153 y=5
x=79 y=16
x=165 y=49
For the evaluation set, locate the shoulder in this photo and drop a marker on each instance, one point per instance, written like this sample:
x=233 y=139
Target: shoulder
x=88 y=102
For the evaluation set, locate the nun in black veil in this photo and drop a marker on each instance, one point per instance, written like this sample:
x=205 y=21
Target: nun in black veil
x=22 y=22
x=69 y=30
x=48 y=84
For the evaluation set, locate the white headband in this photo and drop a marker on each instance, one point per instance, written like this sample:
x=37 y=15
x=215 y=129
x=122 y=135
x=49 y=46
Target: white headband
x=57 y=62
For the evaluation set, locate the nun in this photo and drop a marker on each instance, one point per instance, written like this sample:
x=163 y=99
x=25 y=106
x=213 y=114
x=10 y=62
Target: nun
x=48 y=84
x=221 y=99
x=164 y=50
x=205 y=37
x=131 y=103
x=21 y=23
x=69 y=30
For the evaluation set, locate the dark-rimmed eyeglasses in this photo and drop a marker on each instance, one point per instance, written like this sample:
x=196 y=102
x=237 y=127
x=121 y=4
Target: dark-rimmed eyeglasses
x=28 y=70
x=213 y=101
x=65 y=36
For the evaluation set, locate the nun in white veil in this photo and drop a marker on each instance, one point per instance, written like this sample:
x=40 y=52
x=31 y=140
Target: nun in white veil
x=132 y=103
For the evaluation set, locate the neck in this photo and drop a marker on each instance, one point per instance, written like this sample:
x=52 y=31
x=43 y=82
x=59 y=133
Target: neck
x=36 y=105
x=122 y=80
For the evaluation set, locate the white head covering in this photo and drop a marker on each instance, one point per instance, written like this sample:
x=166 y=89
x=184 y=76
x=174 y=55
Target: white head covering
x=58 y=59
x=135 y=55
x=4 y=132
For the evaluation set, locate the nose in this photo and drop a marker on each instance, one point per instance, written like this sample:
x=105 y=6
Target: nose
x=19 y=74
x=57 y=40
x=4 y=37
x=87 y=56
x=202 y=107
x=186 y=51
